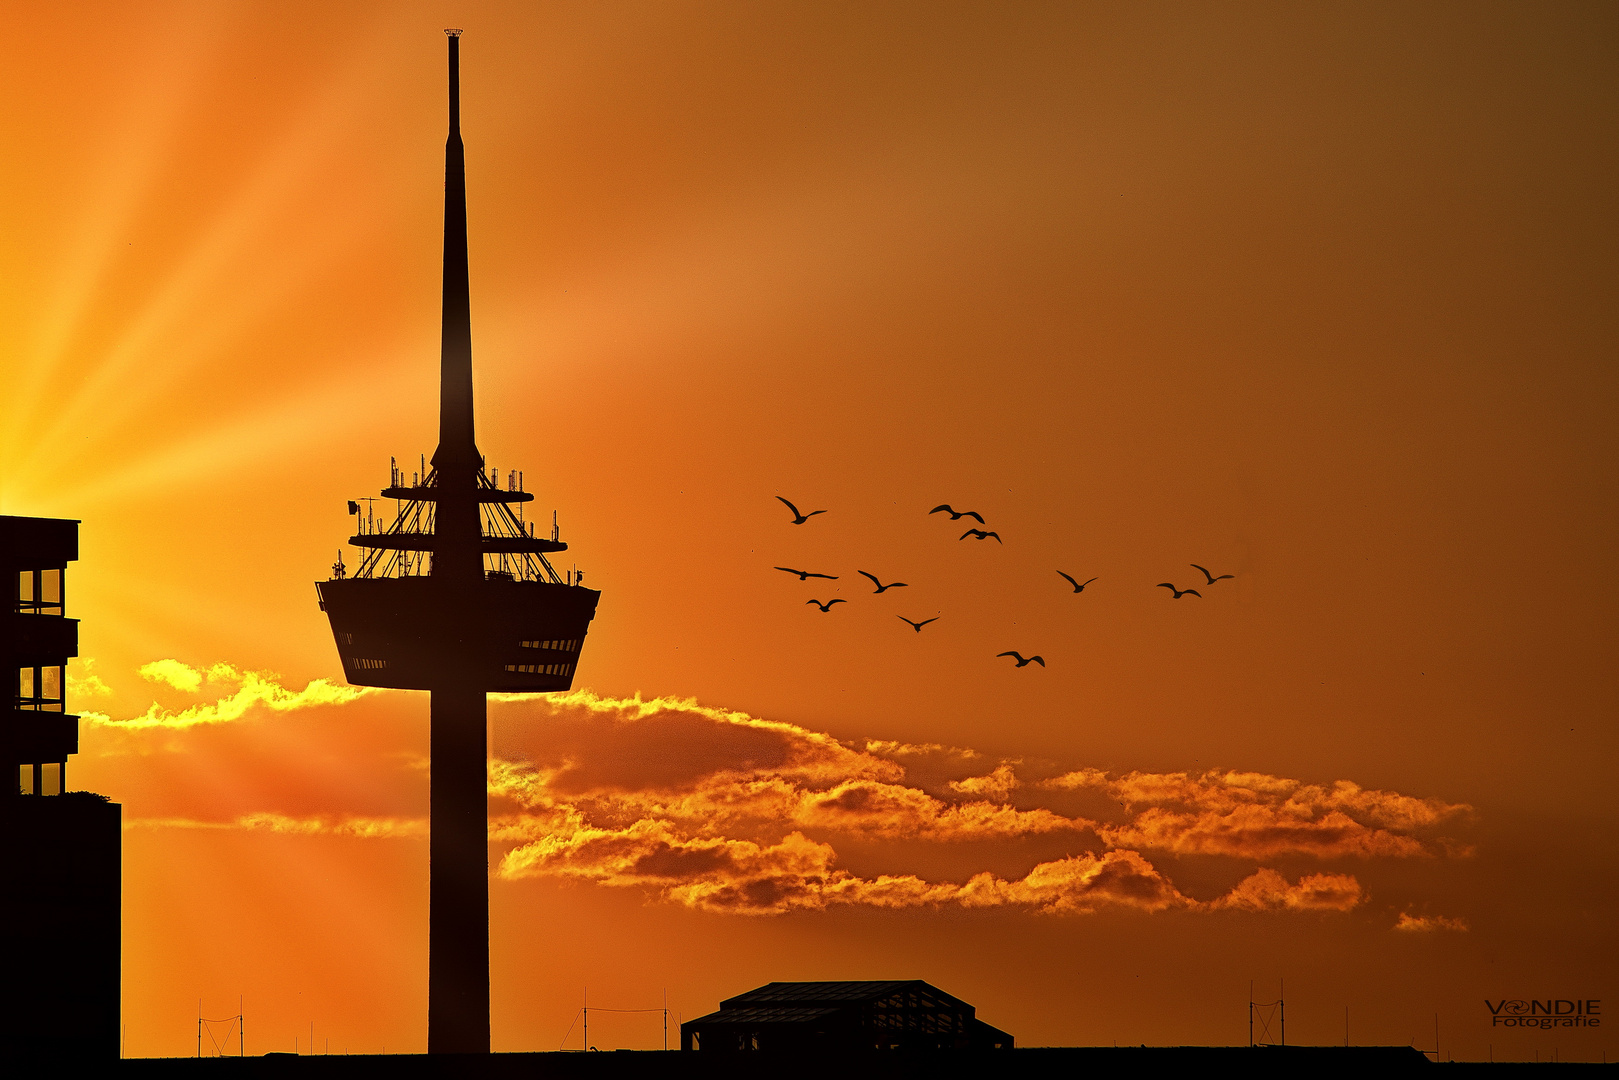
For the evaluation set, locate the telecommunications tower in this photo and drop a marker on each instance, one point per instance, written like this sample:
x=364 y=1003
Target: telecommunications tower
x=456 y=597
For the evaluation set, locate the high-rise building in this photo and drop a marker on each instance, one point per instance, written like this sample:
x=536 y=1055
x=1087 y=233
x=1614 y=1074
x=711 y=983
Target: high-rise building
x=61 y=850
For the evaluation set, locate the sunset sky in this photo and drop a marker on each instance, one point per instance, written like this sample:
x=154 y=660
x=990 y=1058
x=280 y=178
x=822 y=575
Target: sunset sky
x=1320 y=296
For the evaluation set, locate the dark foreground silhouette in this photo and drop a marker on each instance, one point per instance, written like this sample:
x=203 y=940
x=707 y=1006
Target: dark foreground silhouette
x=1055 y=1062
x=60 y=920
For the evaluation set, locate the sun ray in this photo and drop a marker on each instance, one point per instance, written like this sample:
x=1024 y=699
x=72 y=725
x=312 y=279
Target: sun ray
x=179 y=322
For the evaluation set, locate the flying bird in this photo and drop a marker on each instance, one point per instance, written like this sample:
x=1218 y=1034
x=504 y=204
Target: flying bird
x=880 y=586
x=1077 y=586
x=1178 y=592
x=826 y=606
x=805 y=575
x=1021 y=660
x=799 y=519
x=957 y=515
x=1211 y=577
x=981 y=534
x=917 y=626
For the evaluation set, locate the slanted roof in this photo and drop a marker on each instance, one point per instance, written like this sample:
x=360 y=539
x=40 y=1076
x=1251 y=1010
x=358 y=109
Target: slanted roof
x=840 y=993
x=786 y=1014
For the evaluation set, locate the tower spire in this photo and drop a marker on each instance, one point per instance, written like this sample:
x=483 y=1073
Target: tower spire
x=457 y=450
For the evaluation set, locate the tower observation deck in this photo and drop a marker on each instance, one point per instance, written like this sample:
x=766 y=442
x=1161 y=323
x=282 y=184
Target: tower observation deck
x=456 y=597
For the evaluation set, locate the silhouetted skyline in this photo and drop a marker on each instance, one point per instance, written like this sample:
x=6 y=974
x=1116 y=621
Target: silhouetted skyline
x=1314 y=296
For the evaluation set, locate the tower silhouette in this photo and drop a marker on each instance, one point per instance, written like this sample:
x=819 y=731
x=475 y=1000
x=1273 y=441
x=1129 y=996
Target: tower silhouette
x=456 y=597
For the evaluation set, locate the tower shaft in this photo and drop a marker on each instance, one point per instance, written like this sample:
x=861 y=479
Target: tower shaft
x=458 y=889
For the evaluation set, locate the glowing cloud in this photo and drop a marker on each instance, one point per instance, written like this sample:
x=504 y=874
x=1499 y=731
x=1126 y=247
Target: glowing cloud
x=253 y=689
x=750 y=824
x=82 y=681
x=365 y=828
x=797 y=873
x=1258 y=816
x=721 y=811
x=1266 y=890
x=997 y=785
x=1424 y=924
x=173 y=673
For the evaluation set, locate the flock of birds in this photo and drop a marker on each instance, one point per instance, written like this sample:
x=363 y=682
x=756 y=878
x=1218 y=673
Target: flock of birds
x=800 y=518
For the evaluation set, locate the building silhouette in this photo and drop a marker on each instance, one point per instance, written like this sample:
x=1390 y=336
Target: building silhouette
x=842 y=1017
x=456 y=596
x=62 y=851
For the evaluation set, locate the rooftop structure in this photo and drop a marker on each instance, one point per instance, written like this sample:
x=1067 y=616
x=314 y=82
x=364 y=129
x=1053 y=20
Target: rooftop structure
x=456 y=597
x=822 y=1017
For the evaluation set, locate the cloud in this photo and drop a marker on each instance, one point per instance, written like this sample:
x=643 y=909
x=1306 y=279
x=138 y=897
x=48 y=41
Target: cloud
x=997 y=785
x=173 y=673
x=1255 y=815
x=82 y=681
x=1084 y=883
x=253 y=688
x=1266 y=890
x=1258 y=832
x=721 y=811
x=669 y=744
x=366 y=828
x=888 y=748
x=708 y=769
x=1424 y=924
x=797 y=873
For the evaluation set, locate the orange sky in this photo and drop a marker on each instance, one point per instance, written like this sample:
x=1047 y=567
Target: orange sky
x=1320 y=297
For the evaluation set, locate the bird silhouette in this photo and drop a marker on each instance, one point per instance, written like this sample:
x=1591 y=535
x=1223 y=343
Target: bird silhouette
x=826 y=606
x=880 y=586
x=1077 y=586
x=917 y=626
x=1021 y=660
x=981 y=534
x=957 y=515
x=805 y=575
x=1211 y=577
x=1178 y=592
x=799 y=519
